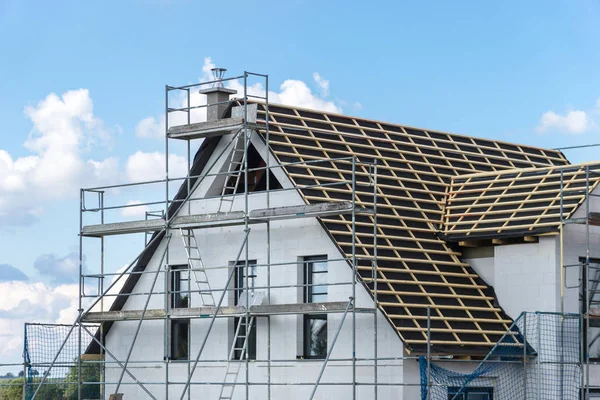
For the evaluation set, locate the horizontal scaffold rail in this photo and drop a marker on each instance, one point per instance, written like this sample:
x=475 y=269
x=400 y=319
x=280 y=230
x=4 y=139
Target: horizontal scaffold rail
x=593 y=219
x=206 y=129
x=223 y=311
x=211 y=220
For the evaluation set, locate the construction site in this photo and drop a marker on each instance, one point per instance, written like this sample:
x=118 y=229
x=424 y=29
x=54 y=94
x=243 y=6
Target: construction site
x=313 y=255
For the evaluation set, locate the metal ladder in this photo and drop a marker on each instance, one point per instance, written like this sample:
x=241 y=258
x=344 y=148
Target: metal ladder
x=235 y=169
x=197 y=266
x=233 y=368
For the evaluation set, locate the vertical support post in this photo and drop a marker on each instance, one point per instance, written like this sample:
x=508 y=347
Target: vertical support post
x=167 y=327
x=539 y=356
x=525 y=356
x=428 y=352
x=562 y=273
x=561 y=238
x=375 y=273
x=166 y=155
x=25 y=361
x=101 y=383
x=354 y=278
x=189 y=210
x=246 y=264
x=587 y=282
x=268 y=162
x=79 y=303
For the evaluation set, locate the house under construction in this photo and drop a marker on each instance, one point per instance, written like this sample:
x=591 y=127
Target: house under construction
x=314 y=255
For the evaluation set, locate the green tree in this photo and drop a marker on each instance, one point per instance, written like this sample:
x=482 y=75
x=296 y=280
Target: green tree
x=13 y=392
x=89 y=373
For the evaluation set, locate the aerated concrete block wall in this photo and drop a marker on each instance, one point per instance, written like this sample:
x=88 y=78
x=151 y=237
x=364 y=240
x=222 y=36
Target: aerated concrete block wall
x=291 y=240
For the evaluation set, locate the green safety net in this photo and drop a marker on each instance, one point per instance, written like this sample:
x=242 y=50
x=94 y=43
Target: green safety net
x=544 y=363
x=44 y=357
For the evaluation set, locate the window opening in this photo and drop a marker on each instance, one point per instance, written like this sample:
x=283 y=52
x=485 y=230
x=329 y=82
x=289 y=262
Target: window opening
x=315 y=291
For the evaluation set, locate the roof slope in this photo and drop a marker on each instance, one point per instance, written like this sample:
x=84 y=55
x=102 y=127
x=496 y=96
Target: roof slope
x=415 y=268
x=514 y=202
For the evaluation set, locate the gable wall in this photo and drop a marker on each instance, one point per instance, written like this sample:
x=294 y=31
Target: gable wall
x=290 y=240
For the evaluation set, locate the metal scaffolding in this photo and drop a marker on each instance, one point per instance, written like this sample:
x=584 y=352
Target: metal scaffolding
x=160 y=226
x=587 y=267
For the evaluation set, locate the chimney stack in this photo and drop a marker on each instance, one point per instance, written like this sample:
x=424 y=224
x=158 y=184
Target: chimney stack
x=217 y=94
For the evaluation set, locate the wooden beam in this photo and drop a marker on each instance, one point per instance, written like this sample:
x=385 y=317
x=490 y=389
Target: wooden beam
x=92 y=357
x=531 y=239
x=472 y=243
x=498 y=241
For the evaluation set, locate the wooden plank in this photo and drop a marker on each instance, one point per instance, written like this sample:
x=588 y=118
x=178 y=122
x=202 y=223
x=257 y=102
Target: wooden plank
x=206 y=129
x=472 y=243
x=427 y=283
x=406 y=135
x=224 y=311
x=432 y=295
x=440 y=306
x=454 y=319
x=420 y=272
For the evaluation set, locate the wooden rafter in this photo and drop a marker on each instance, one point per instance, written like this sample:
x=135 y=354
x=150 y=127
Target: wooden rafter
x=415 y=268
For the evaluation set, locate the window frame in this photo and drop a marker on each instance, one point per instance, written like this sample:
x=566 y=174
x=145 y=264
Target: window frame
x=464 y=395
x=238 y=288
x=184 y=326
x=175 y=286
x=309 y=293
x=178 y=326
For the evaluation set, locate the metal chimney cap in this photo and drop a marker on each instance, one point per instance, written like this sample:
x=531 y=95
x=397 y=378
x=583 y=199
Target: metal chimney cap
x=218 y=74
x=217 y=86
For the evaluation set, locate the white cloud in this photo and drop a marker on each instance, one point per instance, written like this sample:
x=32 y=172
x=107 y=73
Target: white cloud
x=135 y=209
x=64 y=129
x=573 y=122
x=41 y=303
x=323 y=84
x=143 y=166
x=291 y=92
x=59 y=269
x=206 y=69
x=32 y=302
x=151 y=127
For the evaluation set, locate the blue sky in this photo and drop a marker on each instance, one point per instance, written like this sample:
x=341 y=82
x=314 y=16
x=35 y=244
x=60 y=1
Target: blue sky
x=525 y=72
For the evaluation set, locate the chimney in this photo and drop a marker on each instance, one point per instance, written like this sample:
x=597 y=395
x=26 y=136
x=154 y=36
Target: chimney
x=217 y=94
